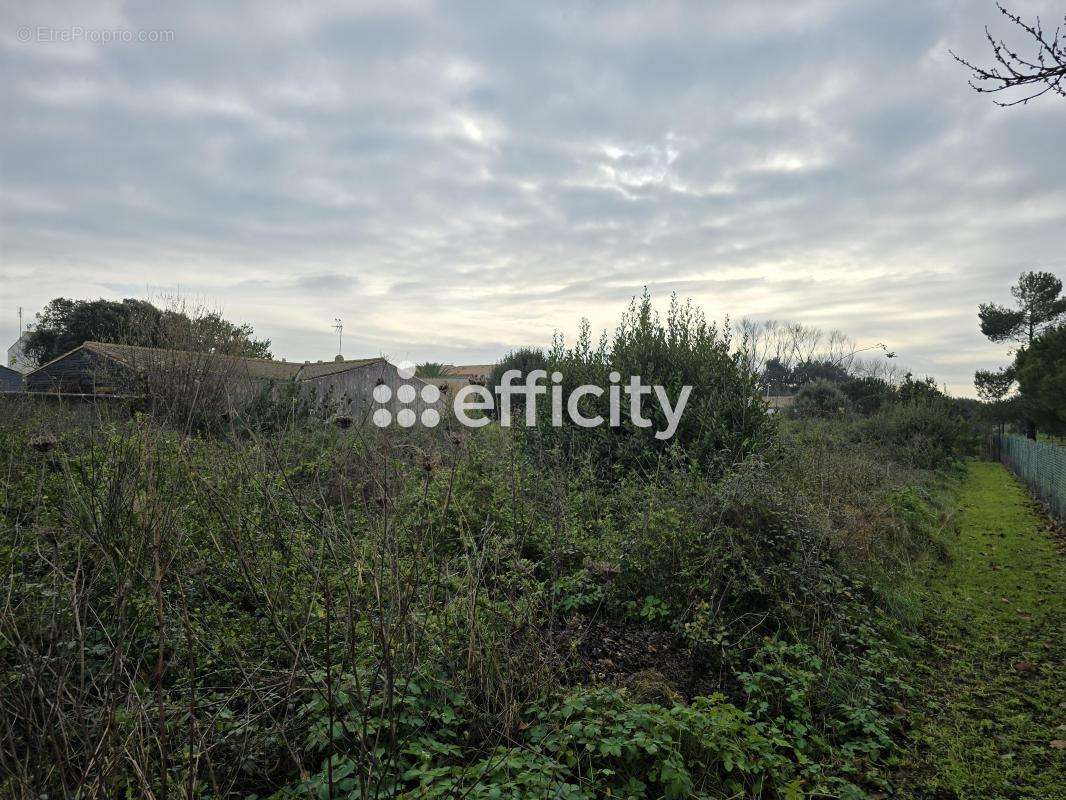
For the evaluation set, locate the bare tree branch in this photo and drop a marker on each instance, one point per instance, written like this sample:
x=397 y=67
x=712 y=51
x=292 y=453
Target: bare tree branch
x=1043 y=72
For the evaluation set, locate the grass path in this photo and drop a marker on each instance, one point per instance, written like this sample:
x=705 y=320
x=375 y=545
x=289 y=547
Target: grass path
x=995 y=686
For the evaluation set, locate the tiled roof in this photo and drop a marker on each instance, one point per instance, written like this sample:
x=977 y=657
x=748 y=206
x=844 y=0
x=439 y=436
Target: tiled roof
x=141 y=357
x=468 y=370
x=320 y=368
x=447 y=383
x=137 y=357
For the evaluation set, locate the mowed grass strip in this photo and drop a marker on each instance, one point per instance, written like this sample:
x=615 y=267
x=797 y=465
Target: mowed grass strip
x=994 y=725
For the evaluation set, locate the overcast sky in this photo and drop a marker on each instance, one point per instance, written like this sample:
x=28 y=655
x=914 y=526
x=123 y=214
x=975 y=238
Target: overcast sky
x=455 y=179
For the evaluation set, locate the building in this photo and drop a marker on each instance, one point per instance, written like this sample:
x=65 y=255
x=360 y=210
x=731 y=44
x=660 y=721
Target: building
x=447 y=384
x=99 y=368
x=10 y=380
x=347 y=387
x=775 y=404
x=474 y=373
x=16 y=355
x=340 y=386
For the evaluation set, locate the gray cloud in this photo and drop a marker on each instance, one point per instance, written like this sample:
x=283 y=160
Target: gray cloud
x=453 y=179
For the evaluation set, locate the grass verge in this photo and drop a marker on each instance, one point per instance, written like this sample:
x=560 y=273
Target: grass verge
x=993 y=677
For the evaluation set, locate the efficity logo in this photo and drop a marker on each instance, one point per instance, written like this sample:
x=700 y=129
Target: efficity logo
x=406 y=394
x=536 y=383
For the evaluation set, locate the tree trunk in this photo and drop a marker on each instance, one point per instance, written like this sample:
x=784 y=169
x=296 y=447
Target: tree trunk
x=1030 y=429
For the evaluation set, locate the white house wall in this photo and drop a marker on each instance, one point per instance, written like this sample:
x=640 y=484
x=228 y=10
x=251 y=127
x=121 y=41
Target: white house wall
x=351 y=391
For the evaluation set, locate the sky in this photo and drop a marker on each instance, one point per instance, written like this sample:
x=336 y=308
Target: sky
x=456 y=179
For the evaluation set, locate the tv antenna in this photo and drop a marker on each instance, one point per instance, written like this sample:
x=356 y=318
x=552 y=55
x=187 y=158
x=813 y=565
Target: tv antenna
x=338 y=326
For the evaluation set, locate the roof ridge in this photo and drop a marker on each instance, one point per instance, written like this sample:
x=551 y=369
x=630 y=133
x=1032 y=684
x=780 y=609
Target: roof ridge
x=333 y=367
x=54 y=360
x=213 y=353
x=114 y=350
x=180 y=350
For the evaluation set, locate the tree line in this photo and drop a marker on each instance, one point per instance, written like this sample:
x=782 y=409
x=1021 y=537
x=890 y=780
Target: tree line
x=64 y=324
x=1031 y=390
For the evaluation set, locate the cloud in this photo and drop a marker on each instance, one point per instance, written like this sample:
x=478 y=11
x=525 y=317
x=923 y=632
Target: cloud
x=456 y=179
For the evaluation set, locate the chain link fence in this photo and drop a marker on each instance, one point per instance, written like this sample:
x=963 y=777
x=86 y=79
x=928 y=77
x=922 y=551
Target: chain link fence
x=1041 y=466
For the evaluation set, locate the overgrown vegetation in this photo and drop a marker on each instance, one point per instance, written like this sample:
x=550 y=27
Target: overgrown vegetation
x=296 y=610
x=65 y=324
x=724 y=421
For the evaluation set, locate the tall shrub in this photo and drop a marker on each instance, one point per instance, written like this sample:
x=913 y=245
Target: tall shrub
x=923 y=433
x=724 y=418
x=820 y=399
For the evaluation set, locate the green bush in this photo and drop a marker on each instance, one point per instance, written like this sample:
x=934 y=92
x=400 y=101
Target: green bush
x=523 y=359
x=928 y=434
x=723 y=421
x=597 y=743
x=868 y=394
x=820 y=399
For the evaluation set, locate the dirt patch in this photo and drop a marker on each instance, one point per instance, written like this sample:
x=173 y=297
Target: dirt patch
x=634 y=657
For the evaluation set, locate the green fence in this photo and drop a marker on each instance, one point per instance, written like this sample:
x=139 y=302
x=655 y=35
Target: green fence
x=1041 y=466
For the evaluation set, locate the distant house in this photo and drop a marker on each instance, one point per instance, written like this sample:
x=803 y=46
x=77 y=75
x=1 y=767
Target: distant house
x=475 y=373
x=101 y=369
x=17 y=359
x=453 y=377
x=775 y=404
x=10 y=380
x=347 y=386
x=447 y=384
